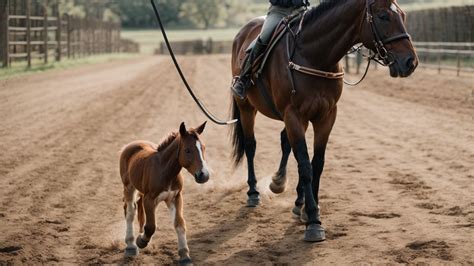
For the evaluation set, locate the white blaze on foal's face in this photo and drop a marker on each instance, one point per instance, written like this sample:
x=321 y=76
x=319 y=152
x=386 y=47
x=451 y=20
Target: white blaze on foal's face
x=204 y=172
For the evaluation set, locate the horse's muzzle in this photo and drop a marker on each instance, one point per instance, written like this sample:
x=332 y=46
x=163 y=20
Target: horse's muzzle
x=201 y=176
x=404 y=67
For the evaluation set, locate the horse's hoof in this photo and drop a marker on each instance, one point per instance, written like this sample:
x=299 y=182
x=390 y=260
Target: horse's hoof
x=185 y=261
x=314 y=233
x=141 y=243
x=296 y=211
x=131 y=251
x=253 y=200
x=304 y=216
x=277 y=189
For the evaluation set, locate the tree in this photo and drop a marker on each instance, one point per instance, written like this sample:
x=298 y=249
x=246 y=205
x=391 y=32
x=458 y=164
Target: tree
x=203 y=13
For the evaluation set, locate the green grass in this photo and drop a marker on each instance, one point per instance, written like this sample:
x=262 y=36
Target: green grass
x=150 y=40
x=20 y=68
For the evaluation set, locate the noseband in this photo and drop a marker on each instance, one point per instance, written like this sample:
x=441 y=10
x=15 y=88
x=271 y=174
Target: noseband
x=382 y=56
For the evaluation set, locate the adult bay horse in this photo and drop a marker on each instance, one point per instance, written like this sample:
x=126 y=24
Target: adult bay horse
x=310 y=90
x=152 y=172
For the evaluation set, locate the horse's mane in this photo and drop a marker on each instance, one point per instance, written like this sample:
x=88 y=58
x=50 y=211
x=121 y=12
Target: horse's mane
x=323 y=8
x=166 y=141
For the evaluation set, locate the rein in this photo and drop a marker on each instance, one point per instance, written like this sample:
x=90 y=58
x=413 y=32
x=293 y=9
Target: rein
x=201 y=106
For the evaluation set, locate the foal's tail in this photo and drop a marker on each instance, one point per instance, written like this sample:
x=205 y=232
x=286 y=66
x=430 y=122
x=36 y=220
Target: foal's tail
x=237 y=135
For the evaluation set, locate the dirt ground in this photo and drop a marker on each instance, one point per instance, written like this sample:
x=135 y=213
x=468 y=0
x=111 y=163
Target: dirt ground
x=397 y=188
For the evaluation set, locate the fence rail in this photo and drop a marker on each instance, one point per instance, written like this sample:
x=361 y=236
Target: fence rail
x=34 y=29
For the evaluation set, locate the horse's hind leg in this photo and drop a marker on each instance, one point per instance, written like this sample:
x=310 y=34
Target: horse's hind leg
x=248 y=123
x=176 y=211
x=130 y=210
x=278 y=183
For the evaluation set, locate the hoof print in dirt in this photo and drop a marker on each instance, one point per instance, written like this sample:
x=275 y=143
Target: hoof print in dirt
x=314 y=233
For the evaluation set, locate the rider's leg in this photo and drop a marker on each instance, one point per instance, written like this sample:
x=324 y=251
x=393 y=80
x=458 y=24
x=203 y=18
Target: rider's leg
x=274 y=16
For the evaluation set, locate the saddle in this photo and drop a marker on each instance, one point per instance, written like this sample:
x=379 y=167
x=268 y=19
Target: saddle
x=259 y=63
x=279 y=32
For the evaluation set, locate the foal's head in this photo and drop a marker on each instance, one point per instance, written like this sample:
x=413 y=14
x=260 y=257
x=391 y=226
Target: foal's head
x=386 y=29
x=191 y=153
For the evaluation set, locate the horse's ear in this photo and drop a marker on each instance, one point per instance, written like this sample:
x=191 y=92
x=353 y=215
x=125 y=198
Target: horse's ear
x=182 y=129
x=200 y=129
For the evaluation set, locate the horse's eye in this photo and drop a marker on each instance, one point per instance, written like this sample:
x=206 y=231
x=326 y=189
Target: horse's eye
x=187 y=150
x=384 y=16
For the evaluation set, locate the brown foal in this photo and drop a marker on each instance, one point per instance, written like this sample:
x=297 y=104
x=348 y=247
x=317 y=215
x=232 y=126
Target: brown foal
x=152 y=172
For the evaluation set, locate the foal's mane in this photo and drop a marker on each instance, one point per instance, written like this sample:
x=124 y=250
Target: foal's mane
x=167 y=141
x=325 y=7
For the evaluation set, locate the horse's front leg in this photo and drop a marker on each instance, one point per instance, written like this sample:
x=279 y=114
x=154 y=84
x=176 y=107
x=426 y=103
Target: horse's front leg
x=279 y=180
x=296 y=134
x=176 y=211
x=130 y=208
x=150 y=225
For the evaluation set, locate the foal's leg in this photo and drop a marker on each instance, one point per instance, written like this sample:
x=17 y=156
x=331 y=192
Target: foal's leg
x=279 y=179
x=247 y=118
x=150 y=225
x=296 y=134
x=130 y=210
x=176 y=211
x=141 y=214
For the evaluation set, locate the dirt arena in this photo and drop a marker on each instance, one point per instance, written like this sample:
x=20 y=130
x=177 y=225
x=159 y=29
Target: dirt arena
x=397 y=187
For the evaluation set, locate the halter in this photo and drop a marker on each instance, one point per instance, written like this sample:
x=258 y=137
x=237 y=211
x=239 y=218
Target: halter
x=382 y=56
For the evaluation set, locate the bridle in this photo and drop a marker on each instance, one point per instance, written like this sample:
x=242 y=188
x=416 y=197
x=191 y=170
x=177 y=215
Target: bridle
x=382 y=56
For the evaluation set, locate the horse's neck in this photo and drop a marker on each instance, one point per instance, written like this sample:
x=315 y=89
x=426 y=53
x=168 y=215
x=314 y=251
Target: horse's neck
x=325 y=41
x=169 y=159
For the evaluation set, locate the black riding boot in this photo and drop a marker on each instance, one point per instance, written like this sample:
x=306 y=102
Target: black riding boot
x=245 y=80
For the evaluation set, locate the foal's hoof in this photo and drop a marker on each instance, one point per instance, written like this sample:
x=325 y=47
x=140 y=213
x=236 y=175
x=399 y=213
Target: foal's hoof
x=185 y=261
x=253 y=200
x=314 y=233
x=277 y=188
x=131 y=251
x=141 y=243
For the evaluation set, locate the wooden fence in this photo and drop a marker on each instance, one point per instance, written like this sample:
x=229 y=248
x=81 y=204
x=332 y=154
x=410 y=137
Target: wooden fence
x=450 y=24
x=197 y=47
x=34 y=30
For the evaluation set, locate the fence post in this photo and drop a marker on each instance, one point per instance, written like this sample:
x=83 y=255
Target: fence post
x=45 y=29
x=58 y=31
x=68 y=28
x=4 y=43
x=439 y=63
x=459 y=64
x=28 y=31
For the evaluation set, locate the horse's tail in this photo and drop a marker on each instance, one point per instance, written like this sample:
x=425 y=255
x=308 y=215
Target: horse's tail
x=237 y=135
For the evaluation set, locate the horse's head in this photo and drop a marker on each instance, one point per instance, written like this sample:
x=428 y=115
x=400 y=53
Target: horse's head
x=384 y=33
x=191 y=153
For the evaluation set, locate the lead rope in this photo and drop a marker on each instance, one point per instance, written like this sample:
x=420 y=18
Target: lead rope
x=183 y=78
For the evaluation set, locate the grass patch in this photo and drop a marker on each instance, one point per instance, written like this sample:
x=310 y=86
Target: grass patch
x=21 y=68
x=150 y=40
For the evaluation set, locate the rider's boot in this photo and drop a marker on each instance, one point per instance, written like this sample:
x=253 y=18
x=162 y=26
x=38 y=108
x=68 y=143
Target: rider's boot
x=243 y=82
